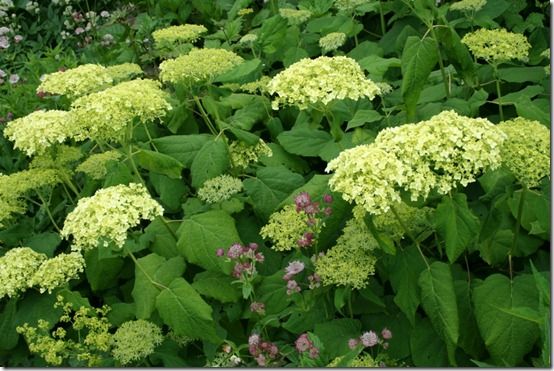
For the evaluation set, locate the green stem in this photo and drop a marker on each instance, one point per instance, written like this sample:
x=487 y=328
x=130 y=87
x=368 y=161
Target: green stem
x=382 y=17
x=498 y=93
x=204 y=115
x=409 y=234
x=441 y=64
x=162 y=218
x=150 y=141
x=517 y=227
x=50 y=216
x=350 y=303
x=143 y=271
x=336 y=130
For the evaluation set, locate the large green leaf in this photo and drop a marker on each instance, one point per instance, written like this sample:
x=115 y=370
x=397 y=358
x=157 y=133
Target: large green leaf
x=377 y=66
x=182 y=147
x=304 y=141
x=522 y=74
x=438 y=298
x=507 y=338
x=9 y=337
x=336 y=333
x=158 y=163
x=272 y=34
x=456 y=53
x=418 y=59
x=456 y=223
x=535 y=216
x=244 y=72
x=102 y=273
x=363 y=116
x=202 y=234
x=185 y=312
x=271 y=186
x=427 y=348
x=210 y=161
x=216 y=285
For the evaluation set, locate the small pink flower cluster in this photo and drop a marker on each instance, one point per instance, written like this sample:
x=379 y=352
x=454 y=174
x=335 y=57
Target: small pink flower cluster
x=294 y=268
x=304 y=344
x=245 y=258
x=314 y=212
x=257 y=307
x=262 y=351
x=369 y=339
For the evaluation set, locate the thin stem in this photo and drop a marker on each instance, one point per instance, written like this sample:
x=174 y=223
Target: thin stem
x=441 y=64
x=205 y=115
x=382 y=17
x=165 y=222
x=143 y=271
x=45 y=205
x=517 y=227
x=149 y=137
x=499 y=95
x=350 y=303
x=409 y=234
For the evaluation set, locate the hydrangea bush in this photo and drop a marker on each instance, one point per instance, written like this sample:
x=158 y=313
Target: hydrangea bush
x=335 y=183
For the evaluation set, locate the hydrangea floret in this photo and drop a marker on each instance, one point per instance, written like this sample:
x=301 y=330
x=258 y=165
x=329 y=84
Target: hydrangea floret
x=105 y=115
x=526 y=152
x=242 y=154
x=295 y=16
x=178 y=34
x=332 y=41
x=349 y=5
x=108 y=215
x=198 y=66
x=284 y=228
x=124 y=71
x=468 y=5
x=57 y=271
x=321 y=80
x=17 y=267
x=219 y=189
x=39 y=130
x=76 y=82
x=95 y=165
x=135 y=340
x=497 y=46
x=61 y=157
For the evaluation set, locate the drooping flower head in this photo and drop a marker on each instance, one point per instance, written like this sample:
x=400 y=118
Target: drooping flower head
x=497 y=46
x=108 y=215
x=332 y=41
x=95 y=165
x=55 y=272
x=321 y=80
x=39 y=130
x=135 y=340
x=198 y=66
x=17 y=267
x=105 y=115
x=219 y=189
x=186 y=33
x=76 y=82
x=526 y=152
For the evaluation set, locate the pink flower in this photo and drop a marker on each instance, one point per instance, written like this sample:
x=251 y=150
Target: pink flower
x=235 y=251
x=220 y=252
x=260 y=359
x=353 y=343
x=306 y=240
x=257 y=307
x=314 y=352
x=312 y=208
x=259 y=257
x=314 y=281
x=104 y=14
x=328 y=211
x=253 y=246
x=386 y=333
x=4 y=42
x=327 y=198
x=369 y=339
x=303 y=344
x=18 y=39
x=302 y=200
x=294 y=267
x=79 y=30
x=14 y=79
x=254 y=339
x=292 y=287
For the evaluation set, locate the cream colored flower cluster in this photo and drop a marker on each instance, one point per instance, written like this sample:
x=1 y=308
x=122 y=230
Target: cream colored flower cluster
x=468 y=5
x=198 y=66
x=321 y=80
x=497 y=46
x=135 y=340
x=295 y=16
x=124 y=71
x=95 y=165
x=437 y=154
x=186 y=33
x=242 y=154
x=248 y=39
x=106 y=114
x=22 y=268
x=39 y=130
x=108 y=215
x=62 y=158
x=349 y=5
x=332 y=41
x=526 y=152
x=219 y=189
x=351 y=261
x=285 y=228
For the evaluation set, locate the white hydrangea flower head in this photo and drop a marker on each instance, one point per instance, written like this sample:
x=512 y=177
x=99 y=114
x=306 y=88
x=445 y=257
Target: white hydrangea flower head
x=295 y=16
x=57 y=271
x=468 y=5
x=76 y=82
x=106 y=114
x=497 y=46
x=349 y=5
x=219 y=189
x=17 y=267
x=332 y=41
x=242 y=154
x=526 y=152
x=198 y=66
x=39 y=130
x=321 y=80
x=248 y=39
x=108 y=215
x=135 y=340
x=178 y=34
x=95 y=165
x=124 y=71
x=284 y=228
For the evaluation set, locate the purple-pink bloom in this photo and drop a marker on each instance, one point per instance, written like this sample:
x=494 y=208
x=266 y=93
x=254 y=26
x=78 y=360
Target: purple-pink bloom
x=303 y=344
x=314 y=352
x=369 y=339
x=14 y=79
x=79 y=30
x=257 y=307
x=253 y=246
x=18 y=38
x=254 y=339
x=386 y=333
x=328 y=211
x=220 y=252
x=294 y=267
x=235 y=251
x=327 y=198
x=292 y=287
x=260 y=359
x=353 y=343
x=4 y=42
x=302 y=200
x=312 y=208
x=259 y=257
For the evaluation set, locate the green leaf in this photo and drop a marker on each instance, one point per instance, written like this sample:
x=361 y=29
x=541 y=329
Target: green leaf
x=524 y=94
x=302 y=321
x=272 y=291
x=185 y=312
x=438 y=298
x=164 y=242
x=35 y=306
x=272 y=34
x=456 y=223
x=281 y=157
x=418 y=59
x=456 y=53
x=363 y=116
x=304 y=141
x=336 y=333
x=242 y=73
x=377 y=66
x=102 y=273
x=271 y=186
x=507 y=338
x=210 y=161
x=9 y=337
x=293 y=55
x=45 y=243
x=182 y=147
x=531 y=110
x=427 y=348
x=202 y=234
x=158 y=163
x=535 y=216
x=216 y=285
x=522 y=74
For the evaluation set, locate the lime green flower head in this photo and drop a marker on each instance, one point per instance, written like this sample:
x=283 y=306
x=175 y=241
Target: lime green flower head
x=332 y=41
x=351 y=261
x=219 y=189
x=295 y=16
x=76 y=82
x=106 y=114
x=242 y=154
x=17 y=267
x=369 y=176
x=135 y=340
x=497 y=46
x=108 y=215
x=526 y=152
x=198 y=66
x=57 y=271
x=468 y=5
x=186 y=33
x=61 y=157
x=95 y=165
x=321 y=80
x=124 y=71
x=39 y=130
x=285 y=228
x=349 y=5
